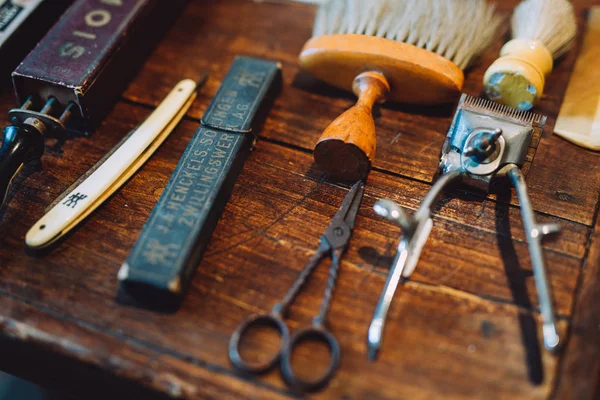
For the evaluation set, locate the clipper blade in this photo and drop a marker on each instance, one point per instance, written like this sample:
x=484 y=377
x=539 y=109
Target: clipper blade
x=496 y=109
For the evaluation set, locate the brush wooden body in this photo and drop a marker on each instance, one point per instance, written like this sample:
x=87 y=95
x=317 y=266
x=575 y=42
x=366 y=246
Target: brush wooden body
x=543 y=30
x=406 y=51
x=418 y=76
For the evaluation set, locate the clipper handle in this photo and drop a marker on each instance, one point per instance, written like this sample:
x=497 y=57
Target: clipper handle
x=535 y=234
x=347 y=147
x=21 y=143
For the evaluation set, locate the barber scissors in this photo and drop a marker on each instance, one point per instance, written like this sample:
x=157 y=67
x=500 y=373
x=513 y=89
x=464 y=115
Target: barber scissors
x=333 y=243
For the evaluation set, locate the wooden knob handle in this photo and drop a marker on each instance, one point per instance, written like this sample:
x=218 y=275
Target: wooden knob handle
x=347 y=147
x=517 y=78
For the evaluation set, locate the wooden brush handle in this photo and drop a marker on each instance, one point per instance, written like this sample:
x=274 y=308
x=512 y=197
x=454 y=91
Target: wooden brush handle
x=347 y=147
x=517 y=78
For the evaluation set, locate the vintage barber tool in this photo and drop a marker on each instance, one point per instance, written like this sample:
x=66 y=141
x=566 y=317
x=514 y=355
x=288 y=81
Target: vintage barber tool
x=333 y=243
x=160 y=266
x=409 y=51
x=542 y=31
x=111 y=172
x=486 y=141
x=77 y=72
x=579 y=117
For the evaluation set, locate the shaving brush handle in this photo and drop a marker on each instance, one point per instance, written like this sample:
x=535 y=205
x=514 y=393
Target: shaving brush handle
x=347 y=147
x=517 y=78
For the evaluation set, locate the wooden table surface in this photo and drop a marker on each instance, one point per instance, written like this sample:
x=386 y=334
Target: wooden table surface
x=466 y=325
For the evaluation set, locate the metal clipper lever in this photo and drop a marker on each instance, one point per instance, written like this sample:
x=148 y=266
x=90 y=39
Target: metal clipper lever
x=416 y=230
x=485 y=141
x=535 y=234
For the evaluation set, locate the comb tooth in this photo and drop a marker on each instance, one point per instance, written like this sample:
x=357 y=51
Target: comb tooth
x=466 y=99
x=540 y=119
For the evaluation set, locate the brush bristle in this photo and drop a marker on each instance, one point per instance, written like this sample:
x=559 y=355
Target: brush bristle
x=552 y=22
x=459 y=30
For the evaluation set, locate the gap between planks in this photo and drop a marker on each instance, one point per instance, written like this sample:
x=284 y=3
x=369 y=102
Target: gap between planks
x=440 y=288
x=377 y=169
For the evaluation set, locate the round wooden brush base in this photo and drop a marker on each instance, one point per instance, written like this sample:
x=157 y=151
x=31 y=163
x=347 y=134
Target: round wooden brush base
x=347 y=147
x=375 y=69
x=343 y=161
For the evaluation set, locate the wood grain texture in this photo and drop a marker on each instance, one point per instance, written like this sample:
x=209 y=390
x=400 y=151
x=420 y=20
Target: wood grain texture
x=466 y=325
x=409 y=137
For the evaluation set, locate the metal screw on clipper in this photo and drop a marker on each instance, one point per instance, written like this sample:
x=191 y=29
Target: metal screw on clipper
x=478 y=150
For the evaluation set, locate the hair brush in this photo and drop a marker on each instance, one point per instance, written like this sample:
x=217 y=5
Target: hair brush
x=408 y=51
x=543 y=30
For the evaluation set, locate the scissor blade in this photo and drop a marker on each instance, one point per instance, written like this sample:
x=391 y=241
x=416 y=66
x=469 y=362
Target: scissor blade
x=355 y=207
x=350 y=206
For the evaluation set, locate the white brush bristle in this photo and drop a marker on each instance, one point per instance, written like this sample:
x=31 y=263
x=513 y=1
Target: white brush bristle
x=552 y=22
x=458 y=30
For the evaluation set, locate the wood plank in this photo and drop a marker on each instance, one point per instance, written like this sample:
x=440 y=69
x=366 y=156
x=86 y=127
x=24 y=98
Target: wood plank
x=266 y=234
x=465 y=251
x=81 y=357
x=425 y=324
x=580 y=365
x=466 y=324
x=409 y=137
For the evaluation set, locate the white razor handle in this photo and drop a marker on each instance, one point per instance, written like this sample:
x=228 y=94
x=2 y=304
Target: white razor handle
x=114 y=171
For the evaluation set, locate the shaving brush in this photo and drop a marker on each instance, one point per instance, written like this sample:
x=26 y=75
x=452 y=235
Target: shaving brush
x=543 y=30
x=408 y=51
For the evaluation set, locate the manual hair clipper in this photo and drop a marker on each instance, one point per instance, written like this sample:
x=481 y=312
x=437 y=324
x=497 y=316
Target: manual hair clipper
x=486 y=141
